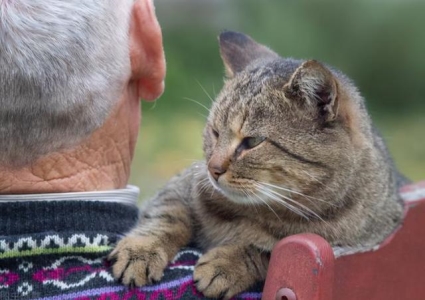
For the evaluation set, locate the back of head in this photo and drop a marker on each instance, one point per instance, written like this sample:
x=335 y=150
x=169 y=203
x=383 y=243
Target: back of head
x=63 y=67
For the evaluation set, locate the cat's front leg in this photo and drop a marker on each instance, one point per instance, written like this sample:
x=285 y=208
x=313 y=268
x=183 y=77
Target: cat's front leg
x=227 y=270
x=165 y=226
x=141 y=257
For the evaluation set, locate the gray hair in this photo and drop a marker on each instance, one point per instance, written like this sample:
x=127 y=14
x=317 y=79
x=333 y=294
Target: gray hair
x=63 y=66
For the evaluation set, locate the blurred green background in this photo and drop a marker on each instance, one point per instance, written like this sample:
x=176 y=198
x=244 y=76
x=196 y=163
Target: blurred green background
x=379 y=44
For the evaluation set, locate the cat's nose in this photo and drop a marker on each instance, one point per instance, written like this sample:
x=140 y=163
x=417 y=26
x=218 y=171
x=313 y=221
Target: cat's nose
x=216 y=170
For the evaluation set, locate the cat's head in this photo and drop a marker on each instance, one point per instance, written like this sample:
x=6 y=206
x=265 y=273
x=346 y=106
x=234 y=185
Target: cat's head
x=280 y=129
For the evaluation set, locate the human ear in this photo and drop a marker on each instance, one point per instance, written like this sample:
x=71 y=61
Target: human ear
x=146 y=51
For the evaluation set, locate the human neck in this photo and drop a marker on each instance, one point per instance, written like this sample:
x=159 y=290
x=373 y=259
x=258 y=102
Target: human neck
x=102 y=162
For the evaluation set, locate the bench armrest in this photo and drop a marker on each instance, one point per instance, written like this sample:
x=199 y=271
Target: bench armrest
x=301 y=268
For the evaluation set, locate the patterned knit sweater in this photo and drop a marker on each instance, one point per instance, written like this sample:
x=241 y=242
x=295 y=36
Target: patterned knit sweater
x=55 y=249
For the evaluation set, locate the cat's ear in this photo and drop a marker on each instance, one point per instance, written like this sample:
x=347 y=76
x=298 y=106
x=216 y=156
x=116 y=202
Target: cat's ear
x=314 y=84
x=239 y=50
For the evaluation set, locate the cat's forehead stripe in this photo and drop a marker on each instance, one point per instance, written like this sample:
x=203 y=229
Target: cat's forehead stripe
x=235 y=116
x=235 y=124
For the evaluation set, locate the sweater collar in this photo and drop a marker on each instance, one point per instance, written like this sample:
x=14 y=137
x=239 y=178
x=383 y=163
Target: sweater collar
x=112 y=211
x=127 y=195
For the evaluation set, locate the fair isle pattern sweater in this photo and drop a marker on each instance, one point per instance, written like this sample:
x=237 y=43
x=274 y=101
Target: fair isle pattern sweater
x=51 y=250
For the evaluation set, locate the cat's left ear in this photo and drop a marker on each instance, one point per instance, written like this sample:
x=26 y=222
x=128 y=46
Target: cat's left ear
x=314 y=84
x=238 y=50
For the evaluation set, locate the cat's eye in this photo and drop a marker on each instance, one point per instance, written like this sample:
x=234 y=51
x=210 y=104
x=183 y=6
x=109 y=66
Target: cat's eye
x=251 y=142
x=215 y=132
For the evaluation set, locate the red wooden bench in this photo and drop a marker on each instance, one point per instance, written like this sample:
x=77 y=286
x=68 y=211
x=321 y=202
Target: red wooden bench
x=304 y=267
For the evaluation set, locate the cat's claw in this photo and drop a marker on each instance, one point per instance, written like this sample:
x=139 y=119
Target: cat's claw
x=138 y=261
x=218 y=277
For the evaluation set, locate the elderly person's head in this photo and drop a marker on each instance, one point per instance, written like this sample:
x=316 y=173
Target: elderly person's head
x=71 y=76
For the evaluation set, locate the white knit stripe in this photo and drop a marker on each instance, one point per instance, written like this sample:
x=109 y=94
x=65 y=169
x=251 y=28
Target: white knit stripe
x=64 y=285
x=56 y=240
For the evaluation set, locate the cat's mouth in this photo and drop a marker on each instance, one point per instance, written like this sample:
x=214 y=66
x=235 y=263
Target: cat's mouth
x=225 y=190
x=262 y=193
x=236 y=195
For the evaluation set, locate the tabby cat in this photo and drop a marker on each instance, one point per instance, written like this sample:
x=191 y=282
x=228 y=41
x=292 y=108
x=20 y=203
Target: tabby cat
x=289 y=148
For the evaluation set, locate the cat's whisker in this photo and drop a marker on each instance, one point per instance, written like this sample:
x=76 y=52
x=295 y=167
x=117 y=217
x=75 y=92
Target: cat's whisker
x=212 y=190
x=286 y=189
x=300 y=204
x=153 y=105
x=202 y=115
x=313 y=177
x=197 y=102
x=205 y=91
x=203 y=181
x=297 y=193
x=213 y=87
x=265 y=191
x=284 y=203
x=307 y=209
x=255 y=203
x=202 y=190
x=248 y=197
x=202 y=186
x=271 y=208
x=206 y=185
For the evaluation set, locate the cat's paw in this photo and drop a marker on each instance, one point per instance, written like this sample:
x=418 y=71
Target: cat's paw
x=138 y=261
x=217 y=275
